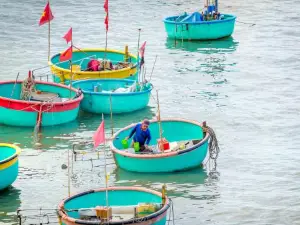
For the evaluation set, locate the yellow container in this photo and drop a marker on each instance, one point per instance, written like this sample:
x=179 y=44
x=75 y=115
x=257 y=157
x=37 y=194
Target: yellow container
x=144 y=209
x=76 y=68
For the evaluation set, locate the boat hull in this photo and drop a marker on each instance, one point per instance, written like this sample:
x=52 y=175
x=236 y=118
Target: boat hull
x=9 y=166
x=97 y=102
x=204 y=30
x=173 y=130
x=62 y=74
x=15 y=112
x=174 y=163
x=118 y=196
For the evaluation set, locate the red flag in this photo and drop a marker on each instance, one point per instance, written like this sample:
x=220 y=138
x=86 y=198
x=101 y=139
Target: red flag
x=106 y=18
x=68 y=36
x=142 y=49
x=66 y=55
x=106 y=22
x=106 y=6
x=99 y=136
x=47 y=15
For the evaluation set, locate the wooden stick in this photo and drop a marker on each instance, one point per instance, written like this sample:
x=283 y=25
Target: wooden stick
x=13 y=90
x=69 y=182
x=138 y=54
x=152 y=68
x=111 y=116
x=49 y=37
x=71 y=77
x=105 y=171
x=158 y=117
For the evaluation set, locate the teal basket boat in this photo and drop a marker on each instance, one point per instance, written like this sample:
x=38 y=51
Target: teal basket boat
x=188 y=148
x=127 y=205
x=49 y=104
x=9 y=164
x=193 y=27
x=116 y=95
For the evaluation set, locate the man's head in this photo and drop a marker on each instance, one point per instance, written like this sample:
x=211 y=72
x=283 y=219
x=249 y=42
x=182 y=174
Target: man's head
x=145 y=124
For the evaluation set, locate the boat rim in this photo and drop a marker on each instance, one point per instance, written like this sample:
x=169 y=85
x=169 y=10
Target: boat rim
x=39 y=103
x=15 y=155
x=160 y=212
x=93 y=50
x=232 y=17
x=112 y=94
x=161 y=155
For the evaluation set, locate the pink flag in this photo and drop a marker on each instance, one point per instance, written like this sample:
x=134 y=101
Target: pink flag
x=142 y=49
x=99 y=136
x=68 y=36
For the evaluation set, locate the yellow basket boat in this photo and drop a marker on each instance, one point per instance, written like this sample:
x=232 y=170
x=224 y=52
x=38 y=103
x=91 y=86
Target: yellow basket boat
x=114 y=64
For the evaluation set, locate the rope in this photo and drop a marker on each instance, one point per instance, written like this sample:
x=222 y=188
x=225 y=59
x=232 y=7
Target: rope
x=28 y=86
x=213 y=147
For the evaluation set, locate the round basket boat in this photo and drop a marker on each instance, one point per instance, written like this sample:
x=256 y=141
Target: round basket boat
x=52 y=104
x=191 y=27
x=9 y=164
x=177 y=132
x=113 y=95
x=124 y=65
x=127 y=205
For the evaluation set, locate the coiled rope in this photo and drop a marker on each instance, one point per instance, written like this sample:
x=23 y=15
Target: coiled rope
x=213 y=147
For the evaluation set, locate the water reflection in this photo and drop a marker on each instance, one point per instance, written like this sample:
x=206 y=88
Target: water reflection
x=90 y=121
x=46 y=138
x=9 y=202
x=223 y=45
x=178 y=184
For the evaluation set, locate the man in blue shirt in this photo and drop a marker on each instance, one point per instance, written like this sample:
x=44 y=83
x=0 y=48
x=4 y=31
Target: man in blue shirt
x=142 y=134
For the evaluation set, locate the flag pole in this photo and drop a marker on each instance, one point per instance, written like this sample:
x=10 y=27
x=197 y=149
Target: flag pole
x=138 y=55
x=105 y=171
x=71 y=77
x=111 y=116
x=49 y=36
x=158 y=119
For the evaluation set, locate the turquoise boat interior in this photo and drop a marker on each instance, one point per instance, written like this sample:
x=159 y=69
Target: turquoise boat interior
x=82 y=58
x=112 y=86
x=126 y=205
x=176 y=132
x=13 y=91
x=9 y=165
x=7 y=153
x=197 y=18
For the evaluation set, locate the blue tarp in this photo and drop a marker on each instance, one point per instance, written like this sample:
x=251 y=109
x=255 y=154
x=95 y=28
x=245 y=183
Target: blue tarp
x=194 y=17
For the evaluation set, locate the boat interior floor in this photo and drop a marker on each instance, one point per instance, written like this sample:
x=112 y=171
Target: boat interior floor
x=46 y=97
x=174 y=146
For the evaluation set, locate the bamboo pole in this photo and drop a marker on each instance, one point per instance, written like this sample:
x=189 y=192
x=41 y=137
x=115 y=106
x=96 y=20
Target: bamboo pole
x=111 y=116
x=105 y=170
x=138 y=55
x=49 y=37
x=71 y=77
x=158 y=117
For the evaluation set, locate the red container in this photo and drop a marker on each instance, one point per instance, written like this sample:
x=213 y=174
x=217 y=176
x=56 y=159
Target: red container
x=163 y=144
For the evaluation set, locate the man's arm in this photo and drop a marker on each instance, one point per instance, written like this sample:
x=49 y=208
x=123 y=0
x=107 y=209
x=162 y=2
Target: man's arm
x=148 y=138
x=132 y=131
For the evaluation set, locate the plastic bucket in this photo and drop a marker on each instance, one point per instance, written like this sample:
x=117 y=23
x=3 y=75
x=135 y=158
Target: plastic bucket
x=125 y=143
x=136 y=146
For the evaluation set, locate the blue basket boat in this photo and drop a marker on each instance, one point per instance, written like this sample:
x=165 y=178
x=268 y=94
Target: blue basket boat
x=127 y=205
x=209 y=25
x=118 y=95
x=9 y=164
x=188 y=148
